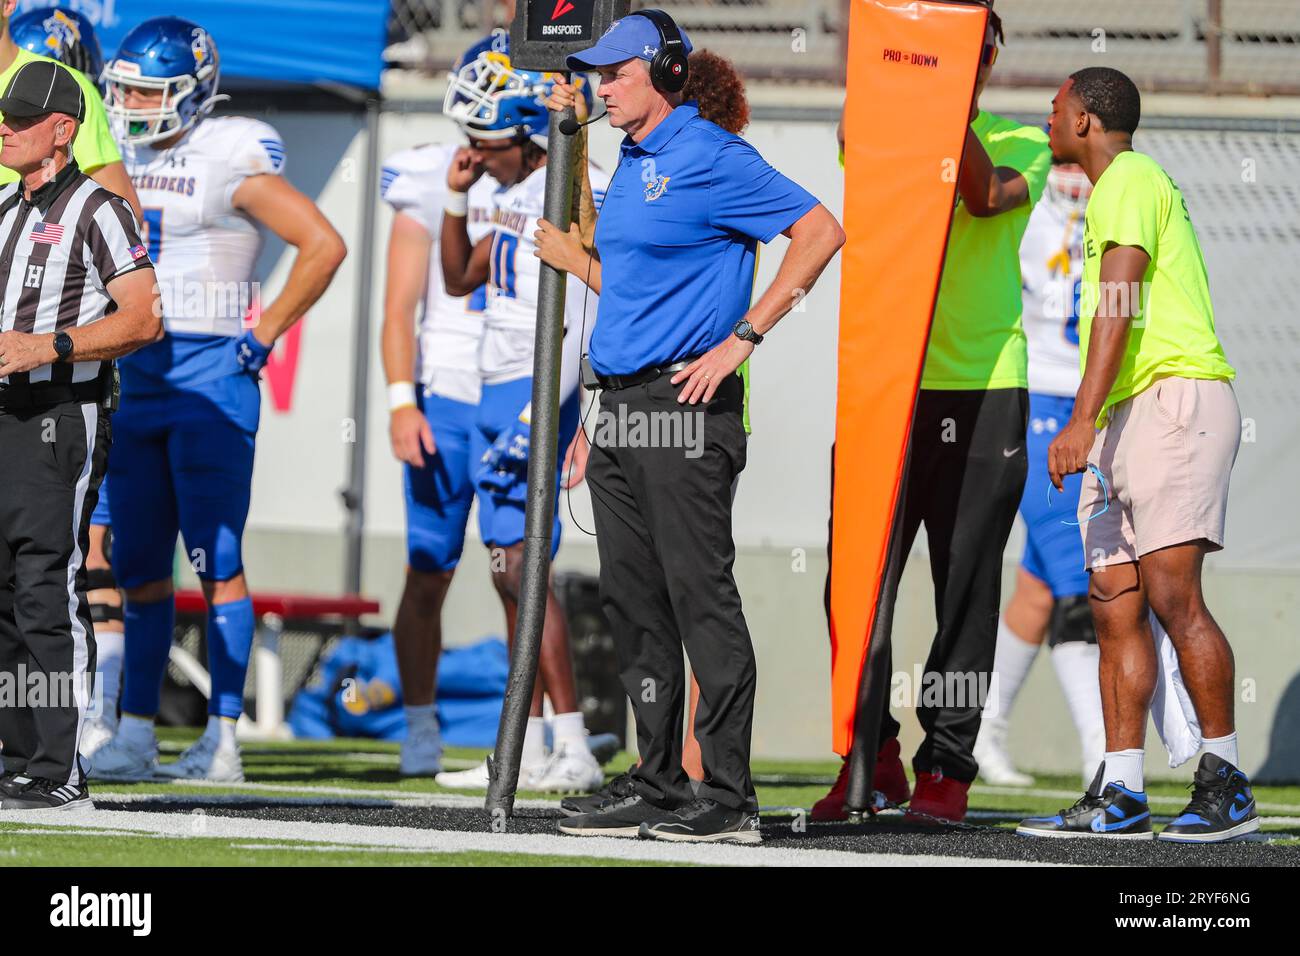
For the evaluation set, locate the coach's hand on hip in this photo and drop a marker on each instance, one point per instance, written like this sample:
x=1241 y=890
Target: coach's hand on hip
x=23 y=351
x=706 y=373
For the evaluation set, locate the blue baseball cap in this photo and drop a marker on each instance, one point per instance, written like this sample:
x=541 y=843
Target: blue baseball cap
x=631 y=37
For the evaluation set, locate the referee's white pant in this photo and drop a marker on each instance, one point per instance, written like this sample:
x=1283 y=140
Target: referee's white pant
x=52 y=462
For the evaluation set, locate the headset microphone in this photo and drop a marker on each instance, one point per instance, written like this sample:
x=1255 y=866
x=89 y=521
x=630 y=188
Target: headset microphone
x=570 y=126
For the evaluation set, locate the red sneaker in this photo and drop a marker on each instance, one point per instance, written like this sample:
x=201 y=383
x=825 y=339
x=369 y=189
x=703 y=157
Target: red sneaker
x=890 y=780
x=938 y=796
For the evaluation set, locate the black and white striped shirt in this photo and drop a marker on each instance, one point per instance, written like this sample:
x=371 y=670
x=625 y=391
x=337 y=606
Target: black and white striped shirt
x=60 y=250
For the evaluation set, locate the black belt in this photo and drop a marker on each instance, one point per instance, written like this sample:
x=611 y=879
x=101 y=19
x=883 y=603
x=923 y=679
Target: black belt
x=41 y=394
x=641 y=377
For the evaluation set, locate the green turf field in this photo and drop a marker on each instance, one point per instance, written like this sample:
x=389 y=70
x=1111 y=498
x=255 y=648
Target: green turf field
x=350 y=781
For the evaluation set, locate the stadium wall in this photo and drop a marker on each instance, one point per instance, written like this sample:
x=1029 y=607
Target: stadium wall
x=1251 y=240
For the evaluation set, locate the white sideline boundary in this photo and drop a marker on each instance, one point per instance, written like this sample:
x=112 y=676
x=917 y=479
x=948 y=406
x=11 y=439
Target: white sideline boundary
x=106 y=790
x=188 y=826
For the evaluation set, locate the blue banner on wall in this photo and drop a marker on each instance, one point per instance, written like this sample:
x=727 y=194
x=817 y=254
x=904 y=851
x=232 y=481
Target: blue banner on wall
x=292 y=41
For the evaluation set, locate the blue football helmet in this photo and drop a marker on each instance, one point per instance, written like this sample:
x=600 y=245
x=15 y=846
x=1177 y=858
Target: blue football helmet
x=178 y=58
x=491 y=100
x=64 y=35
x=498 y=41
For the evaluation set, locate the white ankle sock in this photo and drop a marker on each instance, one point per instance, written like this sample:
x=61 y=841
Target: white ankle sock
x=1225 y=748
x=1011 y=664
x=222 y=730
x=1125 y=767
x=534 y=743
x=137 y=730
x=569 y=729
x=110 y=646
x=1075 y=664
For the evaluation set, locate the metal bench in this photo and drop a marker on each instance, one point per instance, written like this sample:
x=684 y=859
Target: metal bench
x=275 y=614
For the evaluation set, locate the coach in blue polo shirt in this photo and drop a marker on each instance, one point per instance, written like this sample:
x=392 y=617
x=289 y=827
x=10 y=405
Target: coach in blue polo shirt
x=676 y=236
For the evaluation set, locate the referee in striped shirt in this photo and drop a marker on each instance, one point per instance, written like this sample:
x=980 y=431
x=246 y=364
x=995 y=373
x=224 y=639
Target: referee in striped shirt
x=77 y=290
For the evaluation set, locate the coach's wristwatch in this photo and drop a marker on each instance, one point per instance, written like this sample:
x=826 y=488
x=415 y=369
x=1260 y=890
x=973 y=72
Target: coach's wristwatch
x=62 y=346
x=744 y=330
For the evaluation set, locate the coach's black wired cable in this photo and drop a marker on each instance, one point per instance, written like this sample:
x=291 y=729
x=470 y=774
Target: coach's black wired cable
x=569 y=128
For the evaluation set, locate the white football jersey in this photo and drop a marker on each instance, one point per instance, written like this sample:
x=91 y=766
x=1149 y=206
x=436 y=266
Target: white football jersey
x=507 y=350
x=1051 y=269
x=415 y=183
x=204 y=249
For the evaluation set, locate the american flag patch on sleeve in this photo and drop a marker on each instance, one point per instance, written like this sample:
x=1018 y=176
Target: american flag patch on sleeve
x=47 y=232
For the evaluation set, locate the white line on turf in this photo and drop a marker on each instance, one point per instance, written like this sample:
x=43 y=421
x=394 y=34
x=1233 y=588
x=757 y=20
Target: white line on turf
x=455 y=841
x=414 y=797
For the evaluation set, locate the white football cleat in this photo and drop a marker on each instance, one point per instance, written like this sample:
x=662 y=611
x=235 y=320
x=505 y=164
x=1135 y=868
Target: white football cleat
x=568 y=770
x=121 y=759
x=95 y=733
x=421 y=752
x=205 y=760
x=991 y=754
x=476 y=778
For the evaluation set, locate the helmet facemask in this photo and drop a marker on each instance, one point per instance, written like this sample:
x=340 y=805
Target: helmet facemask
x=474 y=92
x=142 y=126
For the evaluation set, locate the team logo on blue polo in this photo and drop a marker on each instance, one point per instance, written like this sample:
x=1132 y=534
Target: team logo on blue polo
x=656 y=188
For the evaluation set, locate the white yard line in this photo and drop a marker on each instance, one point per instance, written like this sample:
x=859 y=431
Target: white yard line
x=412 y=797
x=448 y=841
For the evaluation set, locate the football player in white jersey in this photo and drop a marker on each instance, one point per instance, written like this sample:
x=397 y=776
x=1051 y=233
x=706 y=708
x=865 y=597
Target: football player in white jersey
x=1051 y=594
x=503 y=113
x=185 y=432
x=433 y=389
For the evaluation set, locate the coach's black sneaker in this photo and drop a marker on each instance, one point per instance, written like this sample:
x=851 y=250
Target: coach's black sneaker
x=12 y=784
x=706 y=821
x=42 y=794
x=620 y=788
x=1222 y=807
x=1112 y=812
x=620 y=819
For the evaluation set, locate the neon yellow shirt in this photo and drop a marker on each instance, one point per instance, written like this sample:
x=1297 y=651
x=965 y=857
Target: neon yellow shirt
x=94 y=146
x=976 y=340
x=1135 y=203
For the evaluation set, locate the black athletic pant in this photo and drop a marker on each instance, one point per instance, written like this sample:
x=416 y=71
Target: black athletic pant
x=964 y=483
x=663 y=526
x=52 y=460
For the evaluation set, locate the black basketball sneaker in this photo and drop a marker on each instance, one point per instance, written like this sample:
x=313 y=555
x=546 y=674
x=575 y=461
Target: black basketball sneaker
x=1222 y=806
x=1112 y=812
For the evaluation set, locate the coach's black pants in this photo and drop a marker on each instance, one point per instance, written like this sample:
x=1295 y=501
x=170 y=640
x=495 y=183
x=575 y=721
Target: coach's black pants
x=964 y=483
x=52 y=461
x=663 y=526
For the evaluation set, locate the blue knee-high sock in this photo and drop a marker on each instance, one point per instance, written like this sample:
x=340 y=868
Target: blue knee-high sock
x=149 y=629
x=230 y=638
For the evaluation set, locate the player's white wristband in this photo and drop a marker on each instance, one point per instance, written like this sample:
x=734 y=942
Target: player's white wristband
x=400 y=395
x=457 y=204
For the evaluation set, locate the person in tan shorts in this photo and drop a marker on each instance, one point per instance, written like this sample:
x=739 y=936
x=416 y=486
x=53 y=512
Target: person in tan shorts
x=1155 y=490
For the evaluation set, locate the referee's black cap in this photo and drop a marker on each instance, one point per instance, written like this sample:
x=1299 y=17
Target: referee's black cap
x=41 y=87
